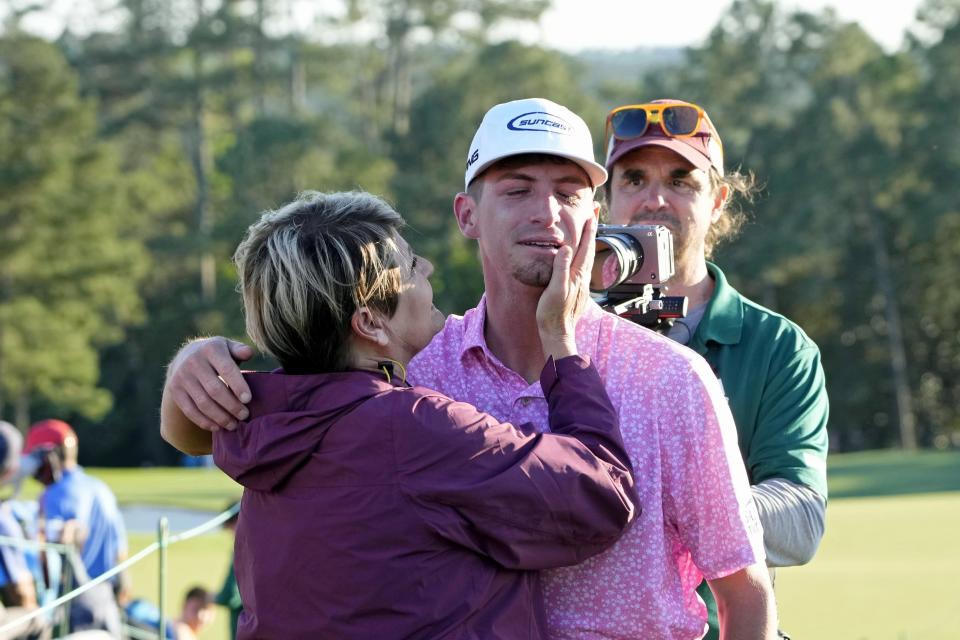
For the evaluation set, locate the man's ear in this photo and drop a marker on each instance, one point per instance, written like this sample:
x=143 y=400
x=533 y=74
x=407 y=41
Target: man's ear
x=465 y=209
x=719 y=201
x=369 y=325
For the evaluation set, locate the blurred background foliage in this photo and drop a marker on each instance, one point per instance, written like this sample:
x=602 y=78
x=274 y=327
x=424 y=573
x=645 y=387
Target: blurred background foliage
x=134 y=154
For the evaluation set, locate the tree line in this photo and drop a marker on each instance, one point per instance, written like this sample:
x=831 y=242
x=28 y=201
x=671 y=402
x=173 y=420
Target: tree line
x=133 y=155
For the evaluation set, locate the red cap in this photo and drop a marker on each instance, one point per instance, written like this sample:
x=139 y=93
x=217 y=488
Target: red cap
x=49 y=432
x=703 y=149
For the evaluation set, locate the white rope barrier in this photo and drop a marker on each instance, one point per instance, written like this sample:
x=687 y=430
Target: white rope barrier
x=36 y=545
x=206 y=526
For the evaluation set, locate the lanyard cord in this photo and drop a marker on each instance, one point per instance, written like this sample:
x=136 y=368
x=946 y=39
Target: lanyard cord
x=387 y=367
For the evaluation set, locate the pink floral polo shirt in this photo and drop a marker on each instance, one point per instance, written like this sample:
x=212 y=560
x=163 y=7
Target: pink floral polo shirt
x=698 y=518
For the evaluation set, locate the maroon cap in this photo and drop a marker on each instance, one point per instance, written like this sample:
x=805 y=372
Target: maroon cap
x=703 y=149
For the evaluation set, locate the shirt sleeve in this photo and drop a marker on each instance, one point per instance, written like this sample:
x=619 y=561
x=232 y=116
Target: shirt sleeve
x=527 y=500
x=793 y=519
x=790 y=440
x=706 y=492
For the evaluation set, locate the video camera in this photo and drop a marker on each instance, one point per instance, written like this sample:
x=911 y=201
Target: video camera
x=629 y=270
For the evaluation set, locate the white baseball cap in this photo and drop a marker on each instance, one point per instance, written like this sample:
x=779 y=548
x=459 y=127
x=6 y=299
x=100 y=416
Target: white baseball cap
x=533 y=125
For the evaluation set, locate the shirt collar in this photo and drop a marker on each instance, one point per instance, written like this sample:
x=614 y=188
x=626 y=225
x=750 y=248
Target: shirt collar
x=722 y=321
x=474 y=321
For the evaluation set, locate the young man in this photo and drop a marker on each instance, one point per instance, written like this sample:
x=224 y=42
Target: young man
x=666 y=164
x=530 y=182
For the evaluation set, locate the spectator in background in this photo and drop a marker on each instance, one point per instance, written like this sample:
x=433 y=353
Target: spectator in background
x=197 y=613
x=18 y=590
x=229 y=595
x=76 y=508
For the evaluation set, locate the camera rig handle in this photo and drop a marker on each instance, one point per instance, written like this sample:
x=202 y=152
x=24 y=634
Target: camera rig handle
x=644 y=305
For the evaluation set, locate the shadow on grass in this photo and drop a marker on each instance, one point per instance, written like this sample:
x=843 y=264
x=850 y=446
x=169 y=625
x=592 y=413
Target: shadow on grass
x=892 y=473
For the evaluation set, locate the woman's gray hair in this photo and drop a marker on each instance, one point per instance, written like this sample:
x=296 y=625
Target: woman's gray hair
x=306 y=267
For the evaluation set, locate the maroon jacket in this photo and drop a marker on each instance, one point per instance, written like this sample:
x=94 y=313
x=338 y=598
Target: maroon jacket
x=379 y=511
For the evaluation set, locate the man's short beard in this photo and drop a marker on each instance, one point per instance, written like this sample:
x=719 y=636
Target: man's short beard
x=682 y=247
x=534 y=274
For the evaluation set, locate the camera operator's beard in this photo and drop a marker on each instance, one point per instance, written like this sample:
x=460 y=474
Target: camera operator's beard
x=683 y=246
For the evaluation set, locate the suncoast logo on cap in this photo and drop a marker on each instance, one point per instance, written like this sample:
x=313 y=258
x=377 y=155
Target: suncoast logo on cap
x=532 y=126
x=539 y=121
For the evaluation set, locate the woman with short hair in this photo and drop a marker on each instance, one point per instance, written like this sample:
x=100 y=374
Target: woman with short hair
x=376 y=509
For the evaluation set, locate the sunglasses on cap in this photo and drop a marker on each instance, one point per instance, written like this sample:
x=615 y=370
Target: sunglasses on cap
x=676 y=120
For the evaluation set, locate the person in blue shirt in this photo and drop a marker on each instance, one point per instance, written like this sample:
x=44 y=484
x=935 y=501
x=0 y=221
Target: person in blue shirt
x=77 y=508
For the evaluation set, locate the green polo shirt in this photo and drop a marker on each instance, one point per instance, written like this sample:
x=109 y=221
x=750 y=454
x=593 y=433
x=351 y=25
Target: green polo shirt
x=771 y=375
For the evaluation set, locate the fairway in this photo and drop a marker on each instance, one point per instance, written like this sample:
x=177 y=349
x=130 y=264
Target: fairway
x=888 y=563
x=885 y=570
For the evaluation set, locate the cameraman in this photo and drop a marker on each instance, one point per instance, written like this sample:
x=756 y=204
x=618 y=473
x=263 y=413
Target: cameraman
x=665 y=160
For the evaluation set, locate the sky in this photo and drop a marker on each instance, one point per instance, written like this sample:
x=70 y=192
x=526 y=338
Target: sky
x=574 y=25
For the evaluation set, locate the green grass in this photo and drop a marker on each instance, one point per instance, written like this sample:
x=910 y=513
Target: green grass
x=885 y=569
x=193 y=488
x=892 y=473
x=888 y=563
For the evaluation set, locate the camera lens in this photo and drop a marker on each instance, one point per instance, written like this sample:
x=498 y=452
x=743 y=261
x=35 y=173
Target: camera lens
x=617 y=257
